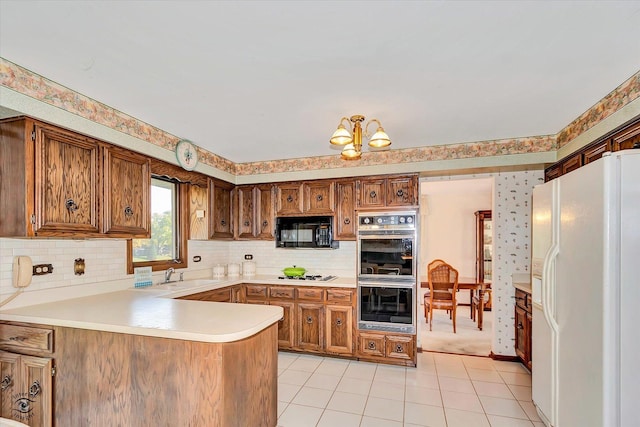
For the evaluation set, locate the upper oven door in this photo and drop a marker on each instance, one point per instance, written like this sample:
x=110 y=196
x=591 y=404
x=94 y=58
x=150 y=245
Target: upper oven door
x=387 y=258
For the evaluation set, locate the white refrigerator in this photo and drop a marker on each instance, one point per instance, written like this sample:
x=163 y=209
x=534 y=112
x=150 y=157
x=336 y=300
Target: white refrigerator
x=586 y=295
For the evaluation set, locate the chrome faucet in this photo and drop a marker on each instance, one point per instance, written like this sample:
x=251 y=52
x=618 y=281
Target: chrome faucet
x=168 y=273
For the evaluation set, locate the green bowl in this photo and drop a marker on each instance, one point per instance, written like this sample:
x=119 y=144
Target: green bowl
x=294 y=271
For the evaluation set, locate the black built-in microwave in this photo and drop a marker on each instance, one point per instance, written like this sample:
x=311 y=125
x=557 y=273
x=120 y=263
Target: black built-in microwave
x=312 y=232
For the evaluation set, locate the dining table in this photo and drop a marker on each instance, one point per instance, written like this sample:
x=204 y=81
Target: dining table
x=473 y=285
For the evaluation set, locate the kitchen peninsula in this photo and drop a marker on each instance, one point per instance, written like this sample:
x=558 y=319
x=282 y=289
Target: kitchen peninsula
x=142 y=358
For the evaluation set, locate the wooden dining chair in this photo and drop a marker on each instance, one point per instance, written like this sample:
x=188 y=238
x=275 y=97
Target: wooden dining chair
x=432 y=264
x=443 y=286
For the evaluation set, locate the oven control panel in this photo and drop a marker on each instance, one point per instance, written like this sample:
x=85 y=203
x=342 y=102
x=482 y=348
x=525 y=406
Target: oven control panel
x=401 y=220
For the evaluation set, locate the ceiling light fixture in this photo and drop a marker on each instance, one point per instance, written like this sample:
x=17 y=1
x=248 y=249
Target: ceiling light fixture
x=353 y=142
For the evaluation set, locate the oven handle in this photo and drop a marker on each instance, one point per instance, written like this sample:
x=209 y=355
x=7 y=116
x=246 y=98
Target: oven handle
x=386 y=236
x=406 y=285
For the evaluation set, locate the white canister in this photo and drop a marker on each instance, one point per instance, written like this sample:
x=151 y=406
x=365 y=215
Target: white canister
x=233 y=270
x=218 y=271
x=248 y=269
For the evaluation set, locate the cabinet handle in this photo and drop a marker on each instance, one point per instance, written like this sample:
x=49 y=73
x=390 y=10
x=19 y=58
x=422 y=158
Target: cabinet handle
x=7 y=382
x=128 y=212
x=35 y=389
x=309 y=319
x=400 y=193
x=223 y=222
x=71 y=205
x=347 y=221
x=289 y=199
x=371 y=345
x=246 y=223
x=18 y=338
x=399 y=348
x=520 y=325
x=373 y=195
x=339 y=322
x=319 y=197
x=265 y=223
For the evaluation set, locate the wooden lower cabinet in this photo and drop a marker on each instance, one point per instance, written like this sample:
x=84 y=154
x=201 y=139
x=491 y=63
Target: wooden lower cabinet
x=27 y=388
x=523 y=322
x=310 y=330
x=286 y=325
x=339 y=329
x=26 y=371
x=384 y=347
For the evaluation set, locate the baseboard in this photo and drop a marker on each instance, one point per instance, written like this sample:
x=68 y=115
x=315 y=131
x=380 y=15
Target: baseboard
x=504 y=358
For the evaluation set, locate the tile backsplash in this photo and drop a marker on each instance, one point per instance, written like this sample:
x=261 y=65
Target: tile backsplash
x=105 y=261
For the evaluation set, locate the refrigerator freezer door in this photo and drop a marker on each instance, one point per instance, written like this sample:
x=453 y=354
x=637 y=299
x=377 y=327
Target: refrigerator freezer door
x=542 y=338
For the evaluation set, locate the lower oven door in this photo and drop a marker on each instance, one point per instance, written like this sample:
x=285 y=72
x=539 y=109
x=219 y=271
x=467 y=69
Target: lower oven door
x=384 y=307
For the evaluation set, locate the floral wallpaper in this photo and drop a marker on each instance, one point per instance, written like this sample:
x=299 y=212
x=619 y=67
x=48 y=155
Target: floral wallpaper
x=33 y=85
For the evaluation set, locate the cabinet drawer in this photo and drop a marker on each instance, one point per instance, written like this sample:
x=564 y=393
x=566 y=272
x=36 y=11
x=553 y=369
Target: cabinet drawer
x=339 y=296
x=399 y=347
x=310 y=294
x=283 y=292
x=26 y=338
x=371 y=345
x=256 y=291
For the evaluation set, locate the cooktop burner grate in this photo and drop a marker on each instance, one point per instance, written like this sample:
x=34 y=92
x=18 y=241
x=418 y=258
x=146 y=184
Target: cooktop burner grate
x=308 y=277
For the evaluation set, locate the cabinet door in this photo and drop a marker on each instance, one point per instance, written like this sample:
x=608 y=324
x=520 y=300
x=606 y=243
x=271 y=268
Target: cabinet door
x=67 y=184
x=221 y=208
x=484 y=246
x=339 y=329
x=27 y=389
x=10 y=386
x=371 y=344
x=521 y=338
x=318 y=197
x=572 y=163
x=372 y=193
x=265 y=212
x=246 y=211
x=286 y=325
x=127 y=194
x=345 y=210
x=310 y=326
x=400 y=347
x=627 y=138
x=594 y=153
x=198 y=201
x=401 y=191
x=289 y=199
x=528 y=336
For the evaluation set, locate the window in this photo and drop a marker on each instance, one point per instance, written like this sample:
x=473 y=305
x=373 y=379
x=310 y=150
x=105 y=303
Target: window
x=167 y=245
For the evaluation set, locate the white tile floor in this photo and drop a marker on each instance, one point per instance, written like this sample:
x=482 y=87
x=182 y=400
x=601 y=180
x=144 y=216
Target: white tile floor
x=445 y=390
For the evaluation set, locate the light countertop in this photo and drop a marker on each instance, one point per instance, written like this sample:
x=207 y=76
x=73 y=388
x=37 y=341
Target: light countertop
x=522 y=282
x=154 y=311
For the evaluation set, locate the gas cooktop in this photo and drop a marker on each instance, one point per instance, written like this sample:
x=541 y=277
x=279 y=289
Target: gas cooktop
x=309 y=277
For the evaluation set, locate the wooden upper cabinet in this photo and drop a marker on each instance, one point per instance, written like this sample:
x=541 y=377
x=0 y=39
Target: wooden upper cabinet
x=127 y=193
x=198 y=216
x=265 y=212
x=572 y=163
x=627 y=138
x=255 y=212
x=67 y=184
x=246 y=211
x=401 y=191
x=388 y=191
x=289 y=199
x=49 y=181
x=372 y=193
x=221 y=208
x=345 y=226
x=592 y=154
x=319 y=197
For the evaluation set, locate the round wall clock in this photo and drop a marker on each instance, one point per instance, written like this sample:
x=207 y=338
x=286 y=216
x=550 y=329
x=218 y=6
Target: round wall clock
x=187 y=154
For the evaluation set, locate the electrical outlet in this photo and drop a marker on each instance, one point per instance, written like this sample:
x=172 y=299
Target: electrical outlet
x=248 y=257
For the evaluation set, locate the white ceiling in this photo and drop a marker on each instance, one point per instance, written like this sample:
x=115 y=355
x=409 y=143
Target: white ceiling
x=268 y=80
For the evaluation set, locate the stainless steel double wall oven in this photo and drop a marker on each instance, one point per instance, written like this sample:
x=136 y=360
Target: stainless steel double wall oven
x=387 y=271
